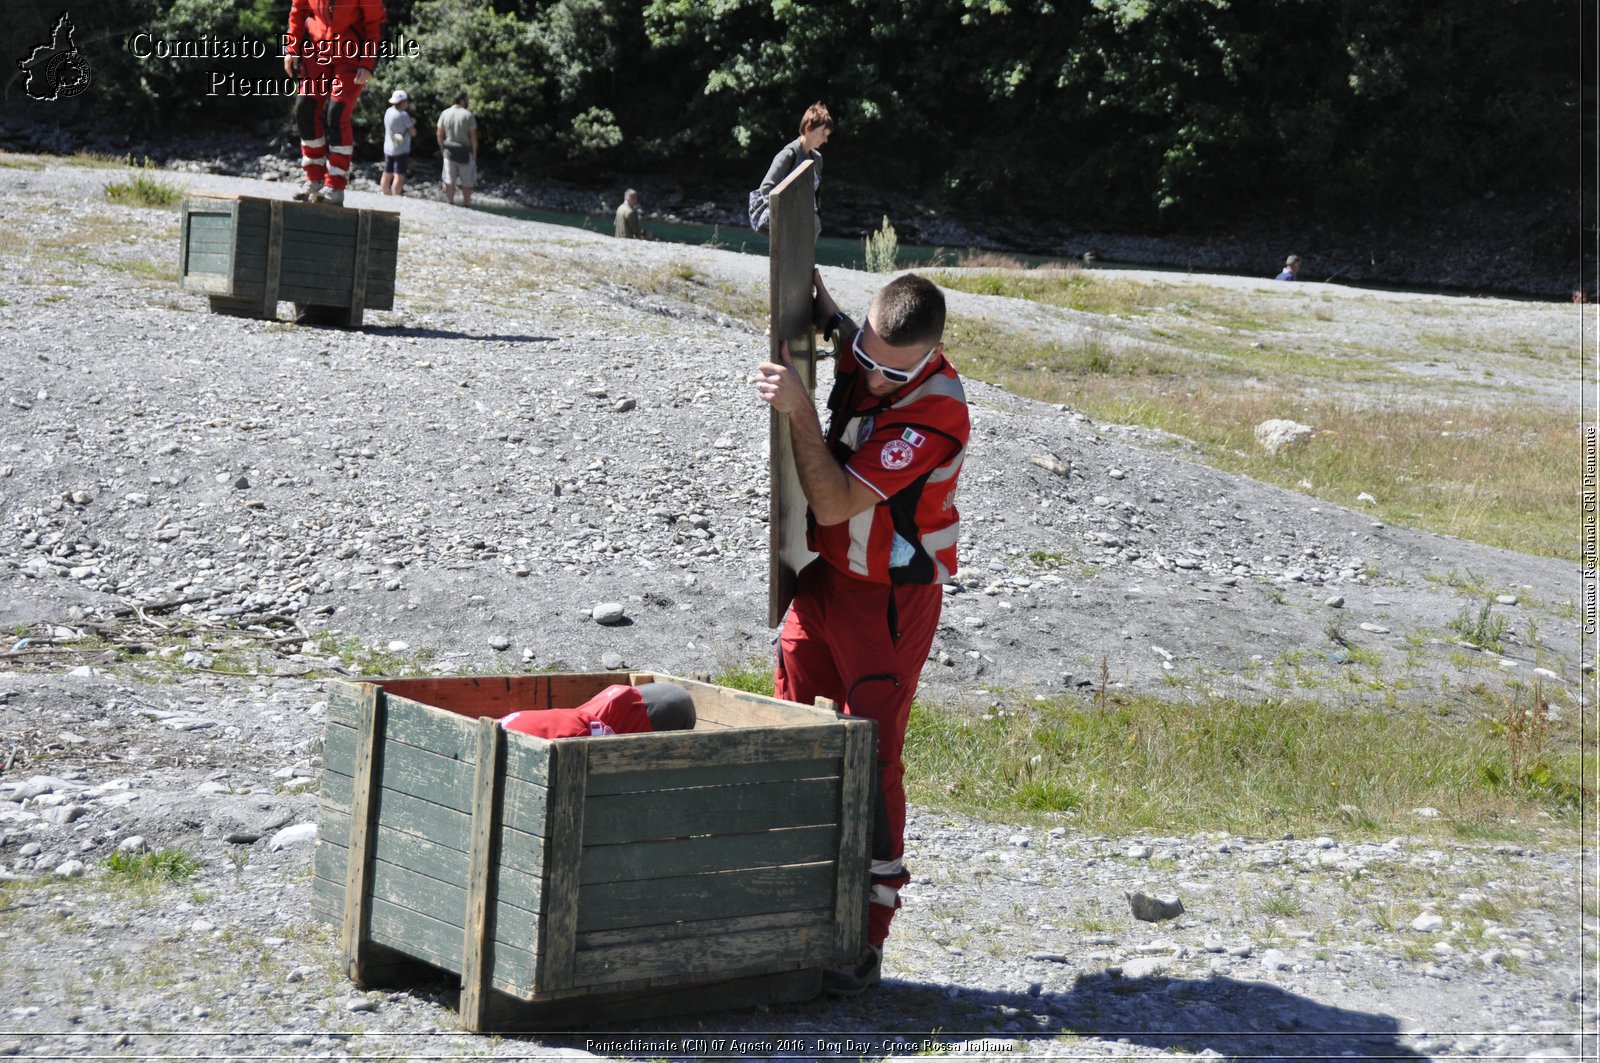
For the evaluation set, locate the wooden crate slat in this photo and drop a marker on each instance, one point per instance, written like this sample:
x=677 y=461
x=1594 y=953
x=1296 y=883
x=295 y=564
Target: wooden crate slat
x=691 y=749
x=710 y=810
x=817 y=918
x=695 y=856
x=439 y=943
x=649 y=781
x=714 y=957
x=206 y=262
x=520 y=871
x=408 y=812
x=474 y=696
x=436 y=777
x=356 y=927
x=564 y=830
x=613 y=905
x=853 y=861
x=738 y=708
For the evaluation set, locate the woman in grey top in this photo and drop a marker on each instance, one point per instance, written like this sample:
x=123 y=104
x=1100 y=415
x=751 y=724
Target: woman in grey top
x=816 y=125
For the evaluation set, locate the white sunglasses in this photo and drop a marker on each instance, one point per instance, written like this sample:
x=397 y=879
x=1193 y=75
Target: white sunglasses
x=897 y=376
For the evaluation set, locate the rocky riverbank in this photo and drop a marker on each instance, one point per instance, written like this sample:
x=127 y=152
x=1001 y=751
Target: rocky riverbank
x=201 y=517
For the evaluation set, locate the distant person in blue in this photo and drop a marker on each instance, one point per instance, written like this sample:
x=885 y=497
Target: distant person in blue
x=1291 y=269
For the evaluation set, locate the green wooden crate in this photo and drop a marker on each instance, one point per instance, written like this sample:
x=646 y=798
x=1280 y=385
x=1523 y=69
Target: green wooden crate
x=248 y=254
x=580 y=879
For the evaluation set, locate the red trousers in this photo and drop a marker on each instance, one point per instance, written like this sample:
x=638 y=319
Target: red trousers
x=837 y=644
x=327 y=96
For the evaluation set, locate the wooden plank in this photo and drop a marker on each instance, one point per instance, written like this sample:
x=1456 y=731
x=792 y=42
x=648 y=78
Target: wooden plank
x=717 y=810
x=206 y=263
x=753 y=891
x=747 y=953
x=816 y=919
x=694 y=749
x=652 y=781
x=739 y=708
x=363 y=822
x=425 y=727
x=436 y=942
x=477 y=956
x=694 y=856
x=269 y=293
x=522 y=809
x=520 y=872
x=564 y=829
x=358 y=272
x=853 y=861
x=791 y=259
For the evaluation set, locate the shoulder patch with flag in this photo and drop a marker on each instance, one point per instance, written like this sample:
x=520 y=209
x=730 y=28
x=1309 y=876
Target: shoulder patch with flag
x=914 y=437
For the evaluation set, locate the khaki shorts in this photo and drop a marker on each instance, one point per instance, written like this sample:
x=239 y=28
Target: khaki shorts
x=460 y=174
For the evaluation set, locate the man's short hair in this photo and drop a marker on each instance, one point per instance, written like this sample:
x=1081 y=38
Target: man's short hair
x=907 y=310
x=1292 y=260
x=816 y=115
x=461 y=97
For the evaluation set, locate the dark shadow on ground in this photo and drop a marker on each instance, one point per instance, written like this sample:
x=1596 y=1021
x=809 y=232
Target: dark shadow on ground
x=1237 y=1019
x=448 y=334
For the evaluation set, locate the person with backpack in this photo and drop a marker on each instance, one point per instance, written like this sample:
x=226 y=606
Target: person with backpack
x=816 y=125
x=457 y=133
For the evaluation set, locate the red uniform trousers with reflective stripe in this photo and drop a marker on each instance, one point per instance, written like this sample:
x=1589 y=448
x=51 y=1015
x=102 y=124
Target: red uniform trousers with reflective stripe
x=323 y=111
x=836 y=643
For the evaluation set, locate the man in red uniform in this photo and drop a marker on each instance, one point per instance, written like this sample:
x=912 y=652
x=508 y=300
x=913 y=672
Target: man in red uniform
x=616 y=710
x=880 y=485
x=332 y=47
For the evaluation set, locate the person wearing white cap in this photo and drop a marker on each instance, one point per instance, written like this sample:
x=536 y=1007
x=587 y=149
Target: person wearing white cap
x=397 y=127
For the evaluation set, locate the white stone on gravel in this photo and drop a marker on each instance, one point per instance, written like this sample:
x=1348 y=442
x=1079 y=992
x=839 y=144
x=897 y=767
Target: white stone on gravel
x=133 y=843
x=1427 y=922
x=608 y=613
x=289 y=837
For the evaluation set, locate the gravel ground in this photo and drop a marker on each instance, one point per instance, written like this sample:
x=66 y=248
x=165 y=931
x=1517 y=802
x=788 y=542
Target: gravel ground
x=549 y=420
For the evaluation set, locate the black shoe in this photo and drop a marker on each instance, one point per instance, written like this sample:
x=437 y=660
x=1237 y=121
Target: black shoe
x=854 y=978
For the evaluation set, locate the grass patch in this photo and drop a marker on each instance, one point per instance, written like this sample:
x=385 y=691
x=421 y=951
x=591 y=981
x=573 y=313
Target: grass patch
x=143 y=190
x=362 y=659
x=751 y=678
x=1444 y=470
x=9 y=161
x=159 y=867
x=1261 y=768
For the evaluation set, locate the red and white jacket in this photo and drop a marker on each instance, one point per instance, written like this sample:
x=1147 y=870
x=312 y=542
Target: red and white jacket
x=616 y=710
x=354 y=26
x=908 y=448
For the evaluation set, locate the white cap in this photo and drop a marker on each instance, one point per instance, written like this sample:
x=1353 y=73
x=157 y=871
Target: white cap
x=399 y=96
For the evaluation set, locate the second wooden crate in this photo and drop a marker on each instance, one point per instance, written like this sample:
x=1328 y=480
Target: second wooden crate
x=247 y=254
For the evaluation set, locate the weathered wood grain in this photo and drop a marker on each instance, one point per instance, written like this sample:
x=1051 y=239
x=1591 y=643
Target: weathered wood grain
x=792 y=257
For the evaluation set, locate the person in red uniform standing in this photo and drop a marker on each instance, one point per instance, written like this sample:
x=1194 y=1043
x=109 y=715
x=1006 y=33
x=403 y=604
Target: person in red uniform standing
x=332 y=48
x=616 y=710
x=880 y=485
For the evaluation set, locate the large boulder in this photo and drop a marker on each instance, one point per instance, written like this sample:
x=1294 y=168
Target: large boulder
x=1276 y=436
